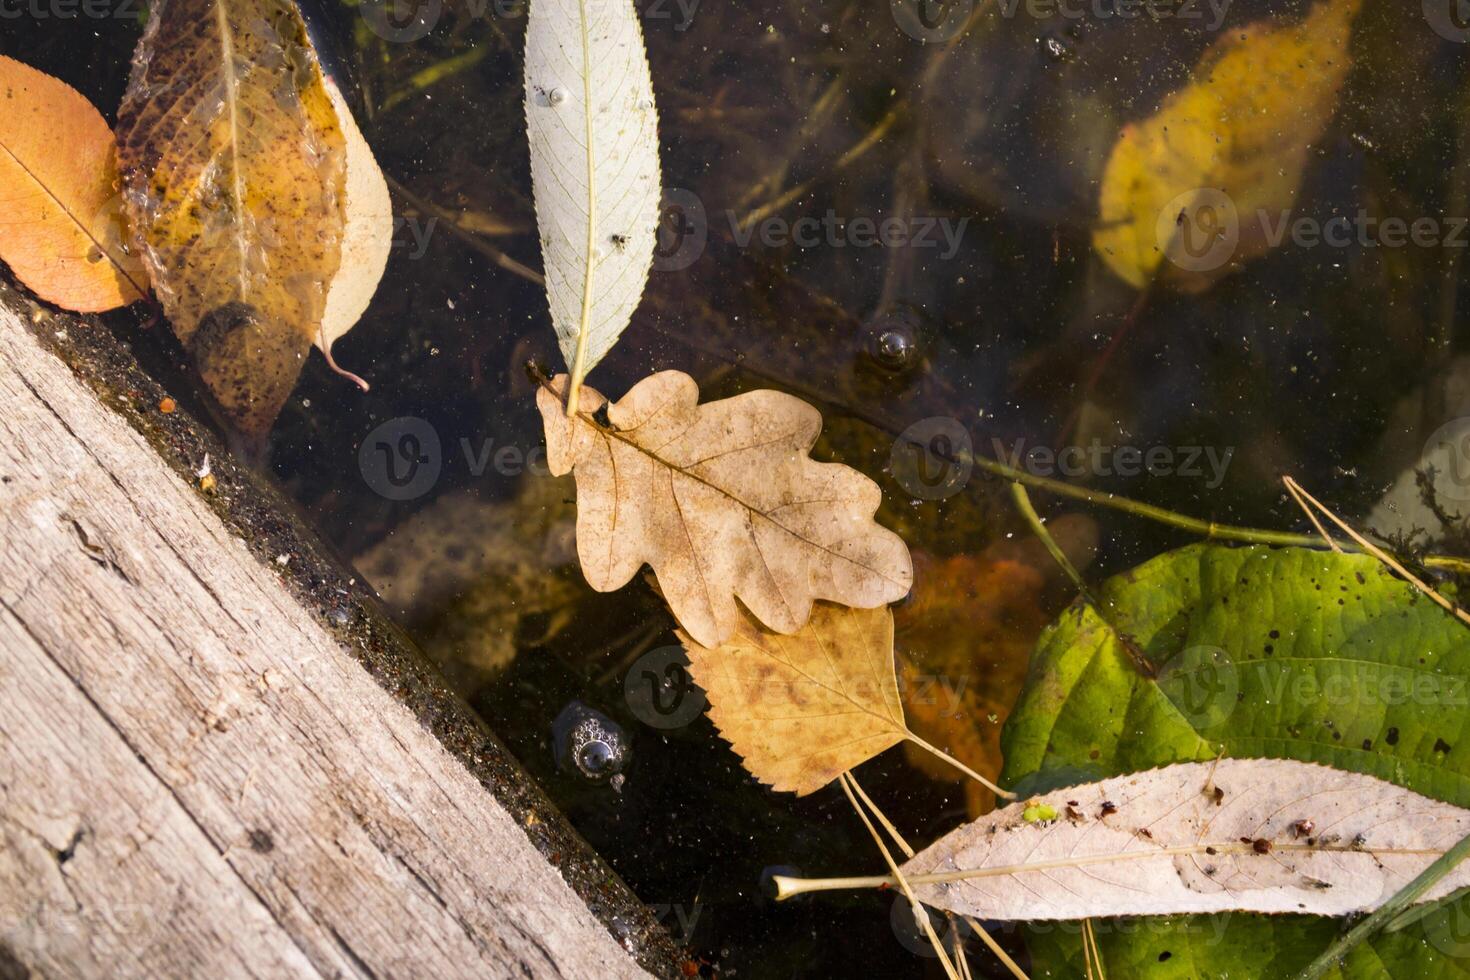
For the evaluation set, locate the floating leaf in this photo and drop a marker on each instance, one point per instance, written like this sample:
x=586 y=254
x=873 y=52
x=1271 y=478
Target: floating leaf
x=60 y=230
x=801 y=709
x=234 y=170
x=367 y=237
x=593 y=130
x=1207 y=179
x=1289 y=653
x=723 y=502
x=1254 y=835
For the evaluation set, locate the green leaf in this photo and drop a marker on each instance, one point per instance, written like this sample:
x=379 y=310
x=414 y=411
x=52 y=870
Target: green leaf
x=1257 y=652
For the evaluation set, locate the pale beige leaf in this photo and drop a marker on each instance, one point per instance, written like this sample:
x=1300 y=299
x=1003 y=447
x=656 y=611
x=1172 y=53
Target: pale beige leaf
x=723 y=502
x=593 y=130
x=367 y=238
x=1278 y=836
x=234 y=166
x=801 y=709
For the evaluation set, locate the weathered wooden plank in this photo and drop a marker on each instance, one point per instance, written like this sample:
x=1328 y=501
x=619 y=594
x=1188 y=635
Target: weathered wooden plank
x=194 y=743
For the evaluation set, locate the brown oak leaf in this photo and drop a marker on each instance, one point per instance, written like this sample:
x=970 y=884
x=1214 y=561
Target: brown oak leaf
x=723 y=502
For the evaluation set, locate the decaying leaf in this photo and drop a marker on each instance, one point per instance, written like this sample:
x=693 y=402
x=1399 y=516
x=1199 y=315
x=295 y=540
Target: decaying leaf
x=473 y=578
x=1256 y=835
x=60 y=227
x=234 y=170
x=367 y=237
x=593 y=130
x=964 y=638
x=801 y=709
x=1207 y=178
x=1246 y=835
x=723 y=502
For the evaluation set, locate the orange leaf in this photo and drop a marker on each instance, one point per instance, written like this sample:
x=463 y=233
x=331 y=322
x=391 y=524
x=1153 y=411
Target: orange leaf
x=60 y=213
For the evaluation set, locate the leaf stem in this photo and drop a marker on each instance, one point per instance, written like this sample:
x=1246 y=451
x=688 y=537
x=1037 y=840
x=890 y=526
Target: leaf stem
x=920 y=915
x=1402 y=899
x=941 y=754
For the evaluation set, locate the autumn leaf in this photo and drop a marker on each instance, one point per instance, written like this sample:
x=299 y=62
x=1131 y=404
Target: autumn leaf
x=367 y=237
x=1246 y=835
x=965 y=636
x=723 y=502
x=1205 y=179
x=801 y=709
x=593 y=130
x=234 y=171
x=60 y=224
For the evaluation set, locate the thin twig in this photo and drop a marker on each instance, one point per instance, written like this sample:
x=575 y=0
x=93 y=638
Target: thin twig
x=1380 y=554
x=908 y=851
x=1388 y=911
x=941 y=754
x=920 y=915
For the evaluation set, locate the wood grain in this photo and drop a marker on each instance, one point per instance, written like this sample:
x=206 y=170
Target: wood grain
x=195 y=778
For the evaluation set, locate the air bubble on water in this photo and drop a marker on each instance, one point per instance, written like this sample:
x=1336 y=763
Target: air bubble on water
x=557 y=96
x=589 y=742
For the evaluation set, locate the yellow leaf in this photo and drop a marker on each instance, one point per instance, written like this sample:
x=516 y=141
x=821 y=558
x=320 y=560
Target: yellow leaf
x=801 y=709
x=234 y=170
x=59 y=218
x=722 y=500
x=1206 y=179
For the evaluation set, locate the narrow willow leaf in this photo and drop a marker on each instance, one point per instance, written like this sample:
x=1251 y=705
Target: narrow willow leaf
x=723 y=501
x=234 y=169
x=60 y=230
x=593 y=131
x=367 y=238
x=1243 y=835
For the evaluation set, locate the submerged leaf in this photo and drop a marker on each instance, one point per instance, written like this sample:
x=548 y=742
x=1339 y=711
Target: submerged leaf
x=234 y=168
x=1206 y=180
x=1257 y=835
x=60 y=230
x=593 y=131
x=723 y=502
x=801 y=709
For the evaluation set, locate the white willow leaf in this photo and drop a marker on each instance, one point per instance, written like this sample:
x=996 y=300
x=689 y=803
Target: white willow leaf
x=366 y=240
x=593 y=131
x=1250 y=835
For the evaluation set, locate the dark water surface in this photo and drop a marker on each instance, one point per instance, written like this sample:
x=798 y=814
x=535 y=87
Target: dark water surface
x=786 y=128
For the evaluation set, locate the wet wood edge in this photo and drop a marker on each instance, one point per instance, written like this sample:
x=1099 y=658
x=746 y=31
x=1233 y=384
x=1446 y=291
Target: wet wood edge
x=257 y=515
